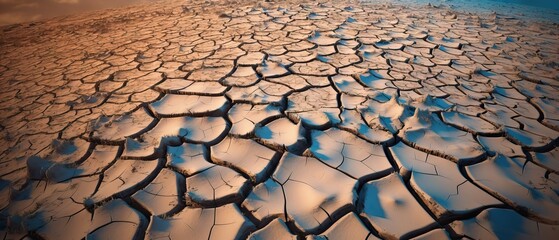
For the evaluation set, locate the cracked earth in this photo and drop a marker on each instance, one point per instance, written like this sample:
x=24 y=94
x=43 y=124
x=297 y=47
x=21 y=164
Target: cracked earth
x=279 y=120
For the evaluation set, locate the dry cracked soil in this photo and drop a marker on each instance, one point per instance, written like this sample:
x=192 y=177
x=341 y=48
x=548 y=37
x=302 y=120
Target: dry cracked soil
x=279 y=120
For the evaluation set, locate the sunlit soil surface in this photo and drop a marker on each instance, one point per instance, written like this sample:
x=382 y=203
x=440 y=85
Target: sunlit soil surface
x=275 y=120
x=20 y=11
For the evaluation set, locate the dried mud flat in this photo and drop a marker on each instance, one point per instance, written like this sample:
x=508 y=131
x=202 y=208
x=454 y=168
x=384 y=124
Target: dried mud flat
x=279 y=120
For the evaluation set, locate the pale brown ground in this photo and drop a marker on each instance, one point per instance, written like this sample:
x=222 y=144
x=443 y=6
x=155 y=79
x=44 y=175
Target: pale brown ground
x=279 y=119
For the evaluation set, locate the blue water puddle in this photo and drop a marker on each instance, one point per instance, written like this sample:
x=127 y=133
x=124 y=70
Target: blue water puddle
x=540 y=10
x=551 y=4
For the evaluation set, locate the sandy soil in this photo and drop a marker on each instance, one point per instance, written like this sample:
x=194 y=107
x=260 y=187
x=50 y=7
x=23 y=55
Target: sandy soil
x=279 y=120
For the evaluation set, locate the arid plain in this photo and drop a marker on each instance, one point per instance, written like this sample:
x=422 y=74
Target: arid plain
x=279 y=120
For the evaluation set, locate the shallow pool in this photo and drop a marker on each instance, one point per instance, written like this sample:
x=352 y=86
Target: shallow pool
x=542 y=10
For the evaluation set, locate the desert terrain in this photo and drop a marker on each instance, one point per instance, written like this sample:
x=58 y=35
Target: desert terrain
x=279 y=120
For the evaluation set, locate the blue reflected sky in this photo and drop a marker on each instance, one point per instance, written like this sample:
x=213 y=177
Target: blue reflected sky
x=545 y=10
x=537 y=3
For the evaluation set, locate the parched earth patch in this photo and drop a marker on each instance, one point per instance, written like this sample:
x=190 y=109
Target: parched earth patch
x=279 y=120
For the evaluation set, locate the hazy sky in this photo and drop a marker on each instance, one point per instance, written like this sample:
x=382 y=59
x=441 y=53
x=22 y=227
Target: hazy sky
x=15 y=11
